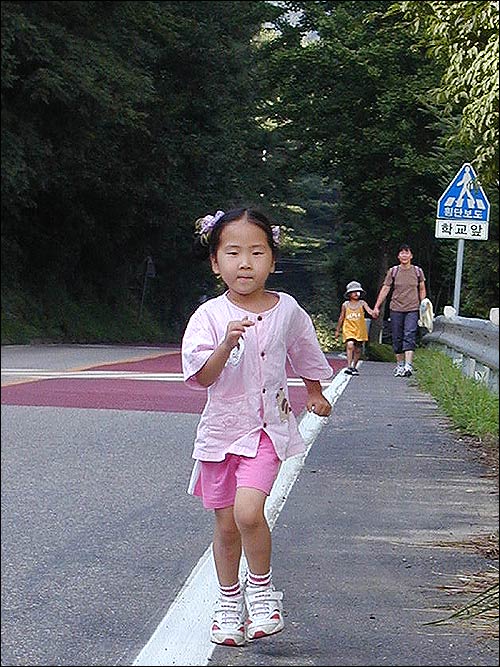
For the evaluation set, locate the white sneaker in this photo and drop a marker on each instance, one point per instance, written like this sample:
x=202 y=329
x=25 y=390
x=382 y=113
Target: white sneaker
x=228 y=623
x=408 y=370
x=265 y=612
x=399 y=372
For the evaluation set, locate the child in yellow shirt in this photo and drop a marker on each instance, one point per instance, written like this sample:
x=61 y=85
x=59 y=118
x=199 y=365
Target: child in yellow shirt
x=353 y=323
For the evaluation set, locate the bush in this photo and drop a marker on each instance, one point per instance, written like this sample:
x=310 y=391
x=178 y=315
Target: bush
x=379 y=352
x=54 y=317
x=325 y=330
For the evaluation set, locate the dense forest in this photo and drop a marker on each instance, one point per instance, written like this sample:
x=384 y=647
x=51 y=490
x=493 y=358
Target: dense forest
x=123 y=122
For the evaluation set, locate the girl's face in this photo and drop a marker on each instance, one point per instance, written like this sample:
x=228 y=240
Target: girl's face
x=243 y=259
x=354 y=295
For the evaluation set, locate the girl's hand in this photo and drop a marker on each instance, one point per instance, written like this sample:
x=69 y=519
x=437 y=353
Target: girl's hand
x=234 y=332
x=214 y=365
x=319 y=405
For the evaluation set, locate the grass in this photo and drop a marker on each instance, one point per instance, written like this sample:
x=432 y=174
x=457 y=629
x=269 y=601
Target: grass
x=482 y=610
x=473 y=410
x=469 y=404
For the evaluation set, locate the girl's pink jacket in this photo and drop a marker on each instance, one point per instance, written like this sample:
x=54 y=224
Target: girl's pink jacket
x=251 y=393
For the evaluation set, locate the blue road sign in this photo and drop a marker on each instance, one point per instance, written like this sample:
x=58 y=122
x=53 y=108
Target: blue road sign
x=464 y=199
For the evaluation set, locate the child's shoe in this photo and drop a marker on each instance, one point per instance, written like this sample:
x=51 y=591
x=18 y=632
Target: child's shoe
x=399 y=371
x=228 y=623
x=408 y=370
x=265 y=612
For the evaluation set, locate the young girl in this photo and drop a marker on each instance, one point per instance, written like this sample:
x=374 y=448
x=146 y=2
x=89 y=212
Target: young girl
x=353 y=323
x=237 y=345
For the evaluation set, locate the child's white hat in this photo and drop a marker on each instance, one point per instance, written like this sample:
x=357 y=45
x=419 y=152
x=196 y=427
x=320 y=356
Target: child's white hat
x=353 y=286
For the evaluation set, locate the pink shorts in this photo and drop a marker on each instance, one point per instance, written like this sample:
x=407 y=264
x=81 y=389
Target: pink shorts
x=218 y=480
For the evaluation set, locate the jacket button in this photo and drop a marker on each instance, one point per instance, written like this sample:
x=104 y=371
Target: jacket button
x=262 y=354
x=259 y=317
x=264 y=424
x=264 y=390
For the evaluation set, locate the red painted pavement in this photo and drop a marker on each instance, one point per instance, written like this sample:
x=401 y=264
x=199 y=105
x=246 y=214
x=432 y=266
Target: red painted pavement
x=124 y=394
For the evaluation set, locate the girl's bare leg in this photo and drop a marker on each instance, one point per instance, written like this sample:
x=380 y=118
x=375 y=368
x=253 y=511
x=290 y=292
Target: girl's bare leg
x=226 y=547
x=349 y=348
x=252 y=524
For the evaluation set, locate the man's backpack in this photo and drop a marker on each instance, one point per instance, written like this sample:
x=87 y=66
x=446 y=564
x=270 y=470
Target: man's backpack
x=418 y=271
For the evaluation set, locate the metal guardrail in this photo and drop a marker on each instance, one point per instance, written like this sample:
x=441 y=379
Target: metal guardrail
x=471 y=343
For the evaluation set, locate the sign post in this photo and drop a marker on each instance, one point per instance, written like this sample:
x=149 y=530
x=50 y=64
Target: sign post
x=463 y=212
x=458 y=274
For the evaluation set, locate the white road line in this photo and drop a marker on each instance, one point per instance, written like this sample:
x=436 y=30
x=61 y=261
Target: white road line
x=101 y=375
x=111 y=375
x=182 y=636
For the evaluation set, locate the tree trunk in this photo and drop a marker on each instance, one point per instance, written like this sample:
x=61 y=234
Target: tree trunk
x=376 y=326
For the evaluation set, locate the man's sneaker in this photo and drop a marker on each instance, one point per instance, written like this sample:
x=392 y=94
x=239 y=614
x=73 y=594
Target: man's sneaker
x=348 y=371
x=265 y=612
x=408 y=371
x=228 y=623
x=355 y=371
x=399 y=371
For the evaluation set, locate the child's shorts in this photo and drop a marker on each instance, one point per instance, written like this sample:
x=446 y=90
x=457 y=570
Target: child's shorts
x=218 y=480
x=357 y=343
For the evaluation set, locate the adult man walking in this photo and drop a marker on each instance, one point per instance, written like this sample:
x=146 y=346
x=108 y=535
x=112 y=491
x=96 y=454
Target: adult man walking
x=408 y=284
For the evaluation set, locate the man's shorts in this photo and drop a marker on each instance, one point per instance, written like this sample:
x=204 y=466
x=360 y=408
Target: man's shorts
x=404 y=328
x=218 y=480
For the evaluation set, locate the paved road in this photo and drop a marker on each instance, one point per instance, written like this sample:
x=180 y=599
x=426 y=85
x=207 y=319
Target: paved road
x=98 y=535
x=356 y=546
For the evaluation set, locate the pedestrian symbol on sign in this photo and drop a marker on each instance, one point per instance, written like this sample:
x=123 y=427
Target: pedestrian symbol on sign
x=467 y=183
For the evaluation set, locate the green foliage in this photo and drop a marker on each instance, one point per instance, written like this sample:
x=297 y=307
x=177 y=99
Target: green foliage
x=463 y=36
x=325 y=330
x=123 y=122
x=379 y=352
x=346 y=108
x=54 y=317
x=350 y=110
x=480 y=280
x=462 y=39
x=469 y=404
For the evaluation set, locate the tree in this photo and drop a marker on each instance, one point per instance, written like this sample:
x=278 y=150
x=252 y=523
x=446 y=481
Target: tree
x=463 y=37
x=122 y=122
x=346 y=107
